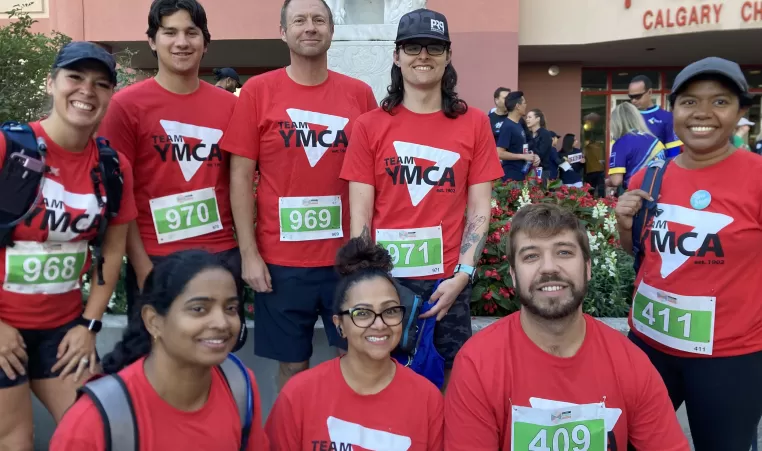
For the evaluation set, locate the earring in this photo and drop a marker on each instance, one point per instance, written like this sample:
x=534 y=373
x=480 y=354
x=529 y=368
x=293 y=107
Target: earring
x=340 y=331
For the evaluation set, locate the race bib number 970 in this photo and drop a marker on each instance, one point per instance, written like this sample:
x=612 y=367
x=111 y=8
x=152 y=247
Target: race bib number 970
x=44 y=268
x=310 y=218
x=186 y=215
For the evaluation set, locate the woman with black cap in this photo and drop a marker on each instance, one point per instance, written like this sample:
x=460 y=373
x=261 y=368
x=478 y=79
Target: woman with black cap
x=64 y=202
x=696 y=311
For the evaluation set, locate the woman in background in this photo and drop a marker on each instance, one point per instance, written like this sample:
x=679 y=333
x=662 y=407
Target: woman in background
x=573 y=161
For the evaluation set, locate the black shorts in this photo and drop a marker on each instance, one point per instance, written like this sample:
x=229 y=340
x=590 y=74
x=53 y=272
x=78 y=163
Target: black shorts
x=285 y=318
x=41 y=350
x=722 y=395
x=452 y=332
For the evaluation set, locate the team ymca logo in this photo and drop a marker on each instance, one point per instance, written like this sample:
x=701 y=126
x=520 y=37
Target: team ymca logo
x=679 y=233
x=191 y=146
x=346 y=436
x=66 y=215
x=414 y=168
x=314 y=132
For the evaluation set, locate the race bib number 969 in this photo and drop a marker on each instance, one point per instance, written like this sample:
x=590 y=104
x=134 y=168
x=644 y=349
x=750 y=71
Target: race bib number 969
x=310 y=218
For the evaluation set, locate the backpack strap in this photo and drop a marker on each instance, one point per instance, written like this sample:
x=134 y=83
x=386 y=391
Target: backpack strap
x=237 y=377
x=108 y=174
x=652 y=185
x=111 y=398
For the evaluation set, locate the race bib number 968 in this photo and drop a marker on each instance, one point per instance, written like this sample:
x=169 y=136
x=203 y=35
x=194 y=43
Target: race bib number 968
x=44 y=268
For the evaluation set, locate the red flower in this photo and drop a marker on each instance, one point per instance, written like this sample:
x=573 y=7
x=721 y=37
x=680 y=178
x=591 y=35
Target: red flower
x=504 y=292
x=250 y=308
x=487 y=295
x=484 y=251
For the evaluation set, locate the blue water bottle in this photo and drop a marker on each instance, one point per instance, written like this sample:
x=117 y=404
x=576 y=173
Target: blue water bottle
x=527 y=167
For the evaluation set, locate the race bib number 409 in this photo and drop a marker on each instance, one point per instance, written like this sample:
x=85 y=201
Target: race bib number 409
x=310 y=218
x=574 y=428
x=44 y=268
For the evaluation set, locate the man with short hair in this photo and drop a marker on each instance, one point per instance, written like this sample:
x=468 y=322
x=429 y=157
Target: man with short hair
x=169 y=127
x=499 y=113
x=294 y=123
x=658 y=120
x=227 y=78
x=512 y=147
x=550 y=374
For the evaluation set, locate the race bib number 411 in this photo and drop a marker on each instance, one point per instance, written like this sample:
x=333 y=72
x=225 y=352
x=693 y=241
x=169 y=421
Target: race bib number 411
x=310 y=218
x=185 y=215
x=574 y=428
x=44 y=268
x=414 y=252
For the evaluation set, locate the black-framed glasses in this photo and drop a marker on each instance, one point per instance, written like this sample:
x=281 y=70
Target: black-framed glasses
x=636 y=96
x=432 y=49
x=363 y=317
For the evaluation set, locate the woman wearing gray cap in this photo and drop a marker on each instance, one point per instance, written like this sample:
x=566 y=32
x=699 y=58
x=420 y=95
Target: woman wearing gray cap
x=62 y=192
x=696 y=311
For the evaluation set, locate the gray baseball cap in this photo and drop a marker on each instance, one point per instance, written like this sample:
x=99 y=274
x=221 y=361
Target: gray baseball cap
x=711 y=65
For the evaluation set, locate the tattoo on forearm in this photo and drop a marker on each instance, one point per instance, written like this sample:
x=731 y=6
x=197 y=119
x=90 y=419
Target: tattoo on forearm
x=480 y=247
x=470 y=235
x=365 y=234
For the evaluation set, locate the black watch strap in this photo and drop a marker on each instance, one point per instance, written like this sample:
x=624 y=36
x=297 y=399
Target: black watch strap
x=93 y=325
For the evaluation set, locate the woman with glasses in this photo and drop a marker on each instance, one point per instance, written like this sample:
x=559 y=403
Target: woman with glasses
x=365 y=398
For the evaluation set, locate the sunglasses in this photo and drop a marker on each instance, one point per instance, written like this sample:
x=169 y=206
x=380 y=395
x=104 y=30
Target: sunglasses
x=636 y=96
x=431 y=49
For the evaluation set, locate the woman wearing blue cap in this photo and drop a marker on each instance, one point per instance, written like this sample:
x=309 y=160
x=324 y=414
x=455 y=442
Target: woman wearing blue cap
x=62 y=194
x=696 y=311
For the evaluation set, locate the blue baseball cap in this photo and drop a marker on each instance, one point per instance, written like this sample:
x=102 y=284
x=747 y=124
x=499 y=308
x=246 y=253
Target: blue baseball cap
x=77 y=51
x=227 y=72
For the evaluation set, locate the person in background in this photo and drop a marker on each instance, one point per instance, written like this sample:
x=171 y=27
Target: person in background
x=365 y=398
x=549 y=372
x=554 y=160
x=512 y=146
x=573 y=161
x=658 y=120
x=295 y=124
x=499 y=113
x=168 y=362
x=227 y=79
x=634 y=146
x=758 y=145
x=696 y=310
x=541 y=142
x=741 y=136
x=47 y=337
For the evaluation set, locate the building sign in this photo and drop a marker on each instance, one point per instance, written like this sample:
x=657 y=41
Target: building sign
x=679 y=17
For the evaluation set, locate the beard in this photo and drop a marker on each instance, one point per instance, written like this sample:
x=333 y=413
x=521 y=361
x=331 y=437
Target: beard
x=553 y=307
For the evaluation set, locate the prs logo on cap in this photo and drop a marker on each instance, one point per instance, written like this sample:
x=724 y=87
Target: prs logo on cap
x=438 y=26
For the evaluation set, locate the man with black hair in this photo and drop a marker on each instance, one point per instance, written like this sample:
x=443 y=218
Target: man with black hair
x=498 y=114
x=227 y=78
x=169 y=127
x=295 y=124
x=658 y=120
x=512 y=147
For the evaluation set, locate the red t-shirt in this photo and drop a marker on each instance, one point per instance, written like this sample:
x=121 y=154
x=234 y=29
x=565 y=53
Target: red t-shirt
x=700 y=258
x=173 y=143
x=317 y=410
x=501 y=367
x=298 y=135
x=41 y=273
x=421 y=166
x=161 y=427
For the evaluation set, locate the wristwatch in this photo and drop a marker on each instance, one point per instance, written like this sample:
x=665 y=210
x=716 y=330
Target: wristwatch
x=93 y=325
x=470 y=270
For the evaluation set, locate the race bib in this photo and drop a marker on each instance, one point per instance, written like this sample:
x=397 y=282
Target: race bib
x=185 y=215
x=414 y=252
x=685 y=323
x=576 y=158
x=310 y=218
x=44 y=268
x=573 y=428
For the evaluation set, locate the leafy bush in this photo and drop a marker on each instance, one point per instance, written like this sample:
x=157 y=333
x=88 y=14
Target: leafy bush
x=611 y=286
x=25 y=62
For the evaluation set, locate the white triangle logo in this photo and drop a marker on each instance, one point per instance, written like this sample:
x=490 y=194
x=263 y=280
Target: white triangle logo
x=302 y=119
x=207 y=136
x=442 y=159
x=703 y=222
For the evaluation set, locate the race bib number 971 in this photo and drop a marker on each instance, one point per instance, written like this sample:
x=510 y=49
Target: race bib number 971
x=414 y=252
x=44 y=268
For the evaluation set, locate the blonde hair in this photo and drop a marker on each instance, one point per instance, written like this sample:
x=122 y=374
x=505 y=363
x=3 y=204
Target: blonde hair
x=625 y=119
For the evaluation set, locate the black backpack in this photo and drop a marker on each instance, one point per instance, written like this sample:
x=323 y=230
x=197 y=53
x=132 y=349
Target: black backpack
x=648 y=210
x=20 y=138
x=111 y=398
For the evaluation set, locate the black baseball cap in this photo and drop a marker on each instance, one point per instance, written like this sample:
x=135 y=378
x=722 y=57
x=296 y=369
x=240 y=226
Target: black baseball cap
x=711 y=65
x=553 y=134
x=77 y=51
x=423 y=23
x=228 y=72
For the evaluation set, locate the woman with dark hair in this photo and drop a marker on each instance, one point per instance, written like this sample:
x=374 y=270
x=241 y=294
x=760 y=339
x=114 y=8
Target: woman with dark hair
x=365 y=398
x=572 y=162
x=168 y=363
x=696 y=312
x=414 y=166
x=541 y=144
x=52 y=211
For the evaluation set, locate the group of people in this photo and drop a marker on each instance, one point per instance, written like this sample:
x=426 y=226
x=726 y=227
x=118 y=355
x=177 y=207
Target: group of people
x=357 y=205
